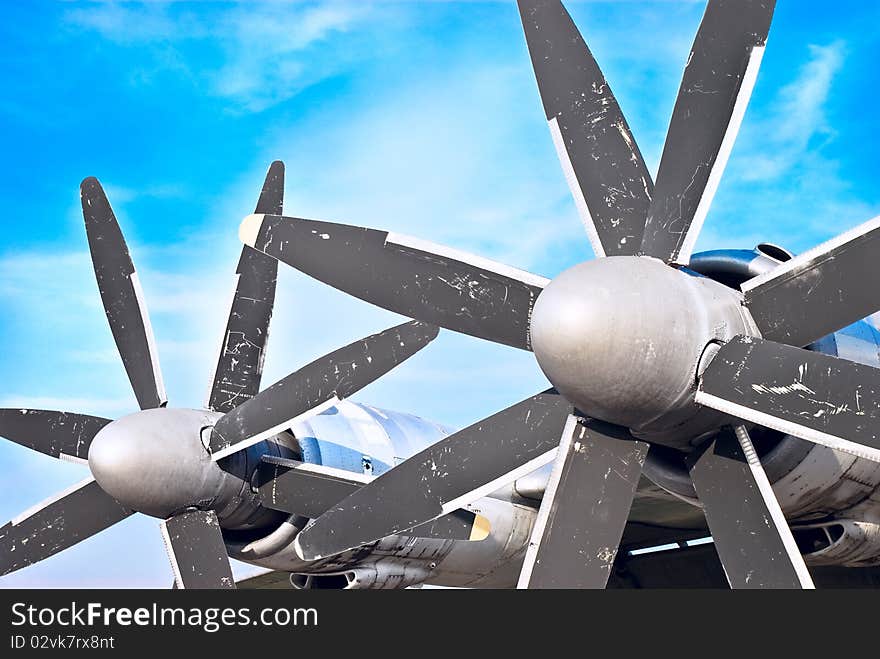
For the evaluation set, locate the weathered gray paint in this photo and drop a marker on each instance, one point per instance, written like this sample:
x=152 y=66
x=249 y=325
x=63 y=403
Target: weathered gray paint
x=339 y=374
x=58 y=524
x=416 y=490
x=622 y=337
x=594 y=482
x=113 y=270
x=240 y=363
x=154 y=462
x=52 y=433
x=813 y=396
x=195 y=547
x=610 y=172
x=286 y=487
x=712 y=82
x=739 y=517
x=819 y=292
x=418 y=284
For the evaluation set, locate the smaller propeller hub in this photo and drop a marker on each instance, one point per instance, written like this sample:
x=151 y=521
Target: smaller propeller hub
x=621 y=337
x=154 y=461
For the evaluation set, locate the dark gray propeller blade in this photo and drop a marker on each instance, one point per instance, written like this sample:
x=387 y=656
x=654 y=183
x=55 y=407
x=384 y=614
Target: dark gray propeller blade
x=751 y=535
x=309 y=490
x=712 y=100
x=585 y=507
x=63 y=435
x=323 y=382
x=197 y=551
x=611 y=186
x=453 y=472
x=816 y=397
x=122 y=296
x=820 y=291
x=56 y=524
x=419 y=280
x=240 y=365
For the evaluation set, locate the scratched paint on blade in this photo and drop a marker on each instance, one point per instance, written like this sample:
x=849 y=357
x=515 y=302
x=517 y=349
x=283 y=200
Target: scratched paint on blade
x=447 y=475
x=332 y=377
x=817 y=392
x=62 y=435
x=473 y=295
x=600 y=159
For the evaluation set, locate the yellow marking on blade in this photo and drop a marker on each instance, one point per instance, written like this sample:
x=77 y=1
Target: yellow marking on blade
x=481 y=528
x=250 y=228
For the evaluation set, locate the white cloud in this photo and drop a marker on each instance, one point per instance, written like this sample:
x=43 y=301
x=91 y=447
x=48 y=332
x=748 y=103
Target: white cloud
x=782 y=184
x=798 y=118
x=130 y=23
x=433 y=160
x=120 y=195
x=263 y=43
x=44 y=283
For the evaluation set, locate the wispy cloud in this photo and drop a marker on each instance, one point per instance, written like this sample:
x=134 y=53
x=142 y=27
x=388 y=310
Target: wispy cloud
x=120 y=195
x=797 y=124
x=264 y=63
x=131 y=23
x=66 y=354
x=423 y=161
x=783 y=184
x=263 y=44
x=35 y=282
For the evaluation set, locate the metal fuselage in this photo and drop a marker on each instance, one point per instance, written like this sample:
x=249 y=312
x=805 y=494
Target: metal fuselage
x=368 y=440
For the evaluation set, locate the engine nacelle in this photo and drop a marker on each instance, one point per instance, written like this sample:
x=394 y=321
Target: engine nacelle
x=385 y=575
x=810 y=481
x=841 y=542
x=374 y=441
x=382 y=575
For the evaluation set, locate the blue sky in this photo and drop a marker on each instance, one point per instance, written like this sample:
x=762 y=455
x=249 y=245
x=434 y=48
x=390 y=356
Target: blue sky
x=417 y=117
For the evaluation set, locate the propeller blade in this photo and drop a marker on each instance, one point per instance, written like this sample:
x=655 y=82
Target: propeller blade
x=240 y=365
x=122 y=296
x=751 y=535
x=272 y=195
x=454 y=472
x=56 y=524
x=711 y=103
x=585 y=507
x=309 y=490
x=317 y=386
x=820 y=291
x=816 y=397
x=197 y=551
x=62 y=435
x=417 y=279
x=604 y=168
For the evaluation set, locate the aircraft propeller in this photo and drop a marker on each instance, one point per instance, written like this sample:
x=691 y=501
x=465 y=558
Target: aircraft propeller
x=640 y=351
x=156 y=461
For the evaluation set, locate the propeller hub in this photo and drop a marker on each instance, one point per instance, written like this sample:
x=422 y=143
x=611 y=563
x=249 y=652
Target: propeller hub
x=621 y=338
x=154 y=461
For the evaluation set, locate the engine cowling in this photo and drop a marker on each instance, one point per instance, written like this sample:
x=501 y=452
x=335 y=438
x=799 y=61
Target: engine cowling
x=809 y=480
x=846 y=542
